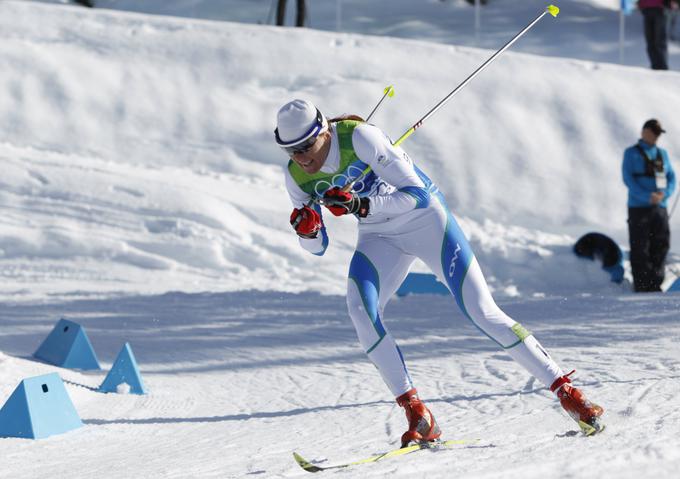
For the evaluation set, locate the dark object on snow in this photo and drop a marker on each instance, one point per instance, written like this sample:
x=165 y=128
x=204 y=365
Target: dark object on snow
x=656 y=32
x=650 y=239
x=85 y=3
x=299 y=18
x=599 y=246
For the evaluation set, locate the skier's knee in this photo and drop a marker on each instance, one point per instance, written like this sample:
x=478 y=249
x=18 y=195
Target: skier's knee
x=361 y=318
x=363 y=287
x=355 y=304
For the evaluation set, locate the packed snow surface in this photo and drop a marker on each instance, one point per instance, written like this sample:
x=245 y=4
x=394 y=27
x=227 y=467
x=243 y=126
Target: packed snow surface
x=238 y=381
x=141 y=196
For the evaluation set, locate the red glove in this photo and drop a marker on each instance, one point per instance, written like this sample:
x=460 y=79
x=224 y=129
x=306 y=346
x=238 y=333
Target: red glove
x=345 y=202
x=306 y=222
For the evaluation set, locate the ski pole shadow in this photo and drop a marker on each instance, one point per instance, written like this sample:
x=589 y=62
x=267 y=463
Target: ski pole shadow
x=85 y=386
x=231 y=417
x=478 y=397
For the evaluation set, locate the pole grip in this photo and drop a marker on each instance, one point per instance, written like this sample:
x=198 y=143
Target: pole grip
x=553 y=10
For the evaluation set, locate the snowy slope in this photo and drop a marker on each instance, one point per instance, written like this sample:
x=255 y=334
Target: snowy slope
x=160 y=129
x=587 y=30
x=141 y=196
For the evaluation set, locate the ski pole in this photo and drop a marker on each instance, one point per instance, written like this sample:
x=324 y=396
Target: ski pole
x=551 y=9
x=387 y=92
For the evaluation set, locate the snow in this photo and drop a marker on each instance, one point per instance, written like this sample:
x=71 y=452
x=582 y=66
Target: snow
x=587 y=29
x=123 y=388
x=237 y=381
x=141 y=196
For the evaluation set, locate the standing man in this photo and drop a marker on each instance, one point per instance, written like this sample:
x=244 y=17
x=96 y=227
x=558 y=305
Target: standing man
x=650 y=179
x=299 y=17
x=656 y=33
x=402 y=216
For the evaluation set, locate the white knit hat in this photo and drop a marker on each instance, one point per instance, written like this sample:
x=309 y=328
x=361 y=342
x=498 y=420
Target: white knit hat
x=298 y=121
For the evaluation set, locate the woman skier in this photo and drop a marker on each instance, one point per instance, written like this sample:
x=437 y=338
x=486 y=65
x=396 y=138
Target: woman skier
x=402 y=216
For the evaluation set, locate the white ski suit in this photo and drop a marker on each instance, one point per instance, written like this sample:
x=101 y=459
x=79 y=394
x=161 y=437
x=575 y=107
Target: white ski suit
x=407 y=219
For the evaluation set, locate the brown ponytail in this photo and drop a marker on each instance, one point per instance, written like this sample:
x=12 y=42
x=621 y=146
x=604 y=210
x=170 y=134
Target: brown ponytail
x=346 y=117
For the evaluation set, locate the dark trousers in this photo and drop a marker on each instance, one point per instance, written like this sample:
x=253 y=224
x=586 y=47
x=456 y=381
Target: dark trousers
x=650 y=239
x=299 y=17
x=656 y=37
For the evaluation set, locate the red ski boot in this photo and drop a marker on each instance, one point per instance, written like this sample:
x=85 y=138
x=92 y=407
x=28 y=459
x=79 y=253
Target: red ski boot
x=584 y=412
x=422 y=426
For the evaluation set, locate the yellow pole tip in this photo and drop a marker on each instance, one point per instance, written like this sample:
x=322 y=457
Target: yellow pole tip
x=553 y=10
x=389 y=91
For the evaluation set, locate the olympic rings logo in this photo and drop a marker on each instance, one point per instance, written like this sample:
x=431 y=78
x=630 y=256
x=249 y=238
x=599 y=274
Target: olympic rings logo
x=341 y=179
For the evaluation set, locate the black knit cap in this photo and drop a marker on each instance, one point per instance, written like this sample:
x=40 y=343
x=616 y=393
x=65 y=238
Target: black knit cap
x=654 y=125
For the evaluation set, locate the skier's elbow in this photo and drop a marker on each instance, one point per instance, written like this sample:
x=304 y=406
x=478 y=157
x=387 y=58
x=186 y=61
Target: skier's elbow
x=420 y=195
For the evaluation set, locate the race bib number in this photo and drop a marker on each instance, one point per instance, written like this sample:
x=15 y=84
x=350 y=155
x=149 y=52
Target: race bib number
x=661 y=181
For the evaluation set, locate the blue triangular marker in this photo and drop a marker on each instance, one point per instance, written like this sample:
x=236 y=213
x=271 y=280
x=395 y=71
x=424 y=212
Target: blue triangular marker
x=69 y=347
x=124 y=370
x=421 y=283
x=675 y=287
x=39 y=407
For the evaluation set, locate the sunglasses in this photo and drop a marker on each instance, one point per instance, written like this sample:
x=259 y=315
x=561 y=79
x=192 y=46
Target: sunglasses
x=300 y=148
x=306 y=141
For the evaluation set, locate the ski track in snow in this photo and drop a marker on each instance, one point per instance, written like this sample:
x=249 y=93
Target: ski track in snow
x=144 y=165
x=237 y=381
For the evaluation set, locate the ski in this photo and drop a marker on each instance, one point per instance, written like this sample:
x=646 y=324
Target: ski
x=309 y=467
x=596 y=427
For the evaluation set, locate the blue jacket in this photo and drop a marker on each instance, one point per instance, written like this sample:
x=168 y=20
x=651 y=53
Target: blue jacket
x=639 y=186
